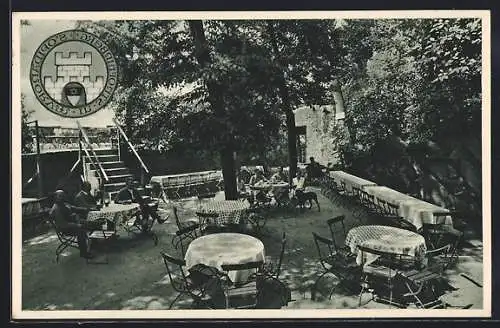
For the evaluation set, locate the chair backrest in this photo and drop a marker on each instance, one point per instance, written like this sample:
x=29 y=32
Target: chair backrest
x=256 y=266
x=441 y=251
x=372 y=251
x=382 y=205
x=176 y=216
x=401 y=223
x=371 y=198
x=363 y=195
x=440 y=217
x=325 y=248
x=186 y=230
x=168 y=259
x=242 y=266
x=332 y=223
x=332 y=184
x=392 y=209
x=282 y=253
x=356 y=192
x=386 y=259
x=53 y=223
x=207 y=215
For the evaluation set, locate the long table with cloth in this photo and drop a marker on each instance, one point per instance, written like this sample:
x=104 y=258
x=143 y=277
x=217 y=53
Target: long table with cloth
x=30 y=206
x=350 y=180
x=228 y=211
x=170 y=180
x=225 y=248
x=413 y=210
x=387 y=239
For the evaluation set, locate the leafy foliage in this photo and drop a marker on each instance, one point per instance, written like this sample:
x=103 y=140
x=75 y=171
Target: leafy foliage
x=416 y=88
x=26 y=130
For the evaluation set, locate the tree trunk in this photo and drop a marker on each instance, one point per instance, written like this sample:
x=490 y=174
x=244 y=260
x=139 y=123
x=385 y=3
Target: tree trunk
x=292 y=134
x=215 y=100
x=287 y=108
x=292 y=145
x=229 y=173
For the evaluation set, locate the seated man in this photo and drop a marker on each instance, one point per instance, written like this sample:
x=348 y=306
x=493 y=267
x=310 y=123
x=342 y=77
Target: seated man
x=314 y=170
x=69 y=222
x=129 y=194
x=299 y=181
x=86 y=200
x=279 y=176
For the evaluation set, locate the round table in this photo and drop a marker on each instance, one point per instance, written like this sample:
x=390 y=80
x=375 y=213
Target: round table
x=117 y=213
x=229 y=211
x=225 y=248
x=387 y=239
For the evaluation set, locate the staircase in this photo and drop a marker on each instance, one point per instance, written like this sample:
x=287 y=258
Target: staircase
x=115 y=169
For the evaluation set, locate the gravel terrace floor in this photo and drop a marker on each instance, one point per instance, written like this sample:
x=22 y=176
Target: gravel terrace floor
x=136 y=279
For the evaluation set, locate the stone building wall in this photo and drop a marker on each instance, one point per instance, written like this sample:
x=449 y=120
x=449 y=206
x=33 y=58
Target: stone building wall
x=322 y=125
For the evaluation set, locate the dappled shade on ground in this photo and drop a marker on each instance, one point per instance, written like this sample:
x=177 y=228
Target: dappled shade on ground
x=135 y=277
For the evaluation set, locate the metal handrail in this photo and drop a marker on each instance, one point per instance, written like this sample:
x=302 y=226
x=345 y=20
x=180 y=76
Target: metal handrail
x=86 y=138
x=70 y=173
x=131 y=146
x=30 y=180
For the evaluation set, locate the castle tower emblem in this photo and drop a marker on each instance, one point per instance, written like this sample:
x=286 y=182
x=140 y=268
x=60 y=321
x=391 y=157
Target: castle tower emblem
x=73 y=74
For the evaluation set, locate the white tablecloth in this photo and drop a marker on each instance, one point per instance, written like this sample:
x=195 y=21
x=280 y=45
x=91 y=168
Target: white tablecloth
x=30 y=206
x=387 y=239
x=415 y=211
x=350 y=180
x=117 y=213
x=225 y=248
x=183 y=178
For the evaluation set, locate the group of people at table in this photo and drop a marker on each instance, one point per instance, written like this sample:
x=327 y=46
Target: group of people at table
x=275 y=186
x=72 y=217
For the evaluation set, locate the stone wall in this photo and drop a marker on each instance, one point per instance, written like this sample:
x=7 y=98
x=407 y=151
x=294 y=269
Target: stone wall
x=321 y=124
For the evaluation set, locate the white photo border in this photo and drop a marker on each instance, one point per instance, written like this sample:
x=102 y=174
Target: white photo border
x=16 y=265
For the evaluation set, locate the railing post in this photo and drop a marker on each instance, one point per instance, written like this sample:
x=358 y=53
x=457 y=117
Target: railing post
x=118 y=144
x=143 y=176
x=38 y=161
x=82 y=158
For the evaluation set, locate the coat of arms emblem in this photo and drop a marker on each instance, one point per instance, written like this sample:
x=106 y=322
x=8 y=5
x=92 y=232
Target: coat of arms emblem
x=73 y=74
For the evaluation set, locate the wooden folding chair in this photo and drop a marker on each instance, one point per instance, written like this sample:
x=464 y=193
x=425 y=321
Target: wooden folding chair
x=257 y=221
x=420 y=289
x=437 y=232
x=183 y=284
x=208 y=223
x=274 y=269
x=332 y=262
x=337 y=229
x=65 y=240
x=242 y=295
x=378 y=277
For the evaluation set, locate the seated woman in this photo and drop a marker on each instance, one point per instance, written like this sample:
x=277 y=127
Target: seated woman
x=279 y=176
x=279 y=193
x=257 y=177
